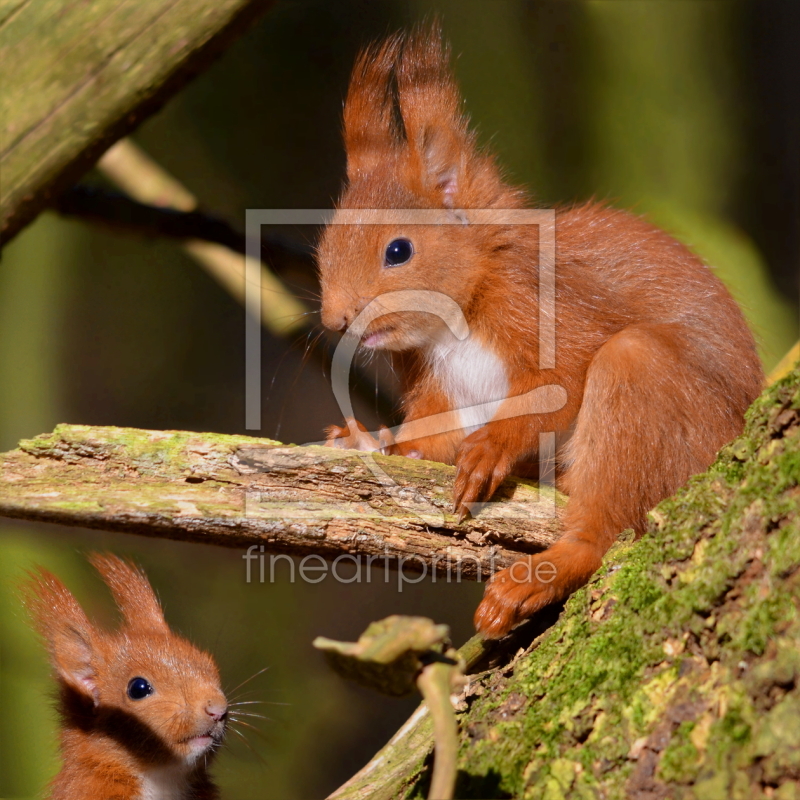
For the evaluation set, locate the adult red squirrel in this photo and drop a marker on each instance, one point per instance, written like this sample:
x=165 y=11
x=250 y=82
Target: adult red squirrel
x=142 y=711
x=656 y=359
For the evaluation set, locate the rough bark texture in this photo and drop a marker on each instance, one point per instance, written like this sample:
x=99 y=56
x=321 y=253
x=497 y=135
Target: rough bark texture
x=76 y=77
x=676 y=672
x=238 y=491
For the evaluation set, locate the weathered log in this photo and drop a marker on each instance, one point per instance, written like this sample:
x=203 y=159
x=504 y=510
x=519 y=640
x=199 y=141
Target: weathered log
x=76 y=77
x=237 y=491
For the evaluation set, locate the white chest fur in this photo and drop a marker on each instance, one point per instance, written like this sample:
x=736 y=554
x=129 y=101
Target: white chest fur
x=165 y=783
x=474 y=378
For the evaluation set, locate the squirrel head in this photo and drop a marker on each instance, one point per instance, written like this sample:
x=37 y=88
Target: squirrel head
x=143 y=687
x=409 y=148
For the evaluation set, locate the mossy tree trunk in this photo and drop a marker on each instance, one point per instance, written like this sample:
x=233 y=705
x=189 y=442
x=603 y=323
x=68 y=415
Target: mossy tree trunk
x=674 y=673
x=76 y=77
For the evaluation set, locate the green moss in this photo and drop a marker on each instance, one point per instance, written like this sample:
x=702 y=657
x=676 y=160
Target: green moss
x=734 y=728
x=680 y=759
x=144 y=449
x=763 y=615
x=690 y=611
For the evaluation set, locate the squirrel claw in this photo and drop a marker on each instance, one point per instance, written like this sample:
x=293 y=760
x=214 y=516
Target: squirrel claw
x=482 y=467
x=511 y=598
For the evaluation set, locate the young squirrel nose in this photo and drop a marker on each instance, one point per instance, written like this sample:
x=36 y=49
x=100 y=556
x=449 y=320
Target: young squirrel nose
x=216 y=711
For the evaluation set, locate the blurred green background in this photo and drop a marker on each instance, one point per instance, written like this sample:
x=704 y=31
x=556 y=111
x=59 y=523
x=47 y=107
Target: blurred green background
x=684 y=111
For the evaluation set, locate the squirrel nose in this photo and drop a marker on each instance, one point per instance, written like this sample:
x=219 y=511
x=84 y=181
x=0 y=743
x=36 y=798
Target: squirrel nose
x=216 y=711
x=337 y=323
x=343 y=319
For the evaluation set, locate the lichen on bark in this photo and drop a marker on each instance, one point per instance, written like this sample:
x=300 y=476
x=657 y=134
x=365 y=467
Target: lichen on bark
x=237 y=491
x=674 y=673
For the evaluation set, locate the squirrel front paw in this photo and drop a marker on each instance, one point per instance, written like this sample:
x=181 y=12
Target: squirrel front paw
x=482 y=465
x=355 y=436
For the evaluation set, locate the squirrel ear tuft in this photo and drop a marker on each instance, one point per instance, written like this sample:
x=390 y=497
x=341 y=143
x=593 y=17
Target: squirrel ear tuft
x=403 y=103
x=70 y=637
x=403 y=115
x=439 y=142
x=371 y=128
x=132 y=592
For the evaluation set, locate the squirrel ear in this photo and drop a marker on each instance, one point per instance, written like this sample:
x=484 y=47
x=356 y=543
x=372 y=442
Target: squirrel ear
x=66 y=628
x=442 y=165
x=132 y=591
x=440 y=144
x=403 y=109
x=370 y=122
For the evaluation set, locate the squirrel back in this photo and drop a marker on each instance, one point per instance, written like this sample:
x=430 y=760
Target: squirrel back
x=142 y=711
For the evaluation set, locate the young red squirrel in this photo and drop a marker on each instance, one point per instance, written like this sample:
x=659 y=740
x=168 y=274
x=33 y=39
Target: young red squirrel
x=656 y=359
x=142 y=711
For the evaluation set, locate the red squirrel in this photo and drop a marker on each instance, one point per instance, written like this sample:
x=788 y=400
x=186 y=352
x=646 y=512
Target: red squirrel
x=656 y=359
x=142 y=711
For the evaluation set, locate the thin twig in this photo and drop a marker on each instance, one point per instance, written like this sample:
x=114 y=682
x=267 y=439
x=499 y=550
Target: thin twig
x=435 y=685
x=101 y=205
x=130 y=168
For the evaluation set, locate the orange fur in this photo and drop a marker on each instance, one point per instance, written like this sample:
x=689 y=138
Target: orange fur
x=655 y=356
x=112 y=746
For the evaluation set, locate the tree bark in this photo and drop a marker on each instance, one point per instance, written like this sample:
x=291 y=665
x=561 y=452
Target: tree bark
x=237 y=491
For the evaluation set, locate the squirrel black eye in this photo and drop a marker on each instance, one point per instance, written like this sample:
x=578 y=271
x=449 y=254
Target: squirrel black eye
x=139 y=688
x=398 y=253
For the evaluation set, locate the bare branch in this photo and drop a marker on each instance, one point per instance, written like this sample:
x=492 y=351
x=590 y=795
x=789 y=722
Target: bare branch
x=236 y=491
x=118 y=211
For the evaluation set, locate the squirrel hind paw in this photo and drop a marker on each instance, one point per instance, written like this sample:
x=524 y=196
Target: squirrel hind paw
x=511 y=597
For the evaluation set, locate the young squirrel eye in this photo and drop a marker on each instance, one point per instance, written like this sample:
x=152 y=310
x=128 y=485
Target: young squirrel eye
x=139 y=688
x=398 y=252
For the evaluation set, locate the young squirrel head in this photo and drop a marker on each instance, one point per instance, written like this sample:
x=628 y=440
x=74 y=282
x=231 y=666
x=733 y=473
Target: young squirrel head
x=408 y=147
x=140 y=688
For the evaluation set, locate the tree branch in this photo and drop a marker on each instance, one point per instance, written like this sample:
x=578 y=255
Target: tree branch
x=237 y=491
x=75 y=101
x=118 y=211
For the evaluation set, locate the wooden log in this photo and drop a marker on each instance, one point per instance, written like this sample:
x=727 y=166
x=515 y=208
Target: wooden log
x=76 y=77
x=237 y=491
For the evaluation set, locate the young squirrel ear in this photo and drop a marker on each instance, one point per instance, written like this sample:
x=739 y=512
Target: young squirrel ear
x=70 y=636
x=131 y=590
